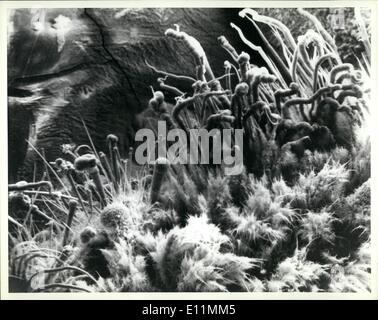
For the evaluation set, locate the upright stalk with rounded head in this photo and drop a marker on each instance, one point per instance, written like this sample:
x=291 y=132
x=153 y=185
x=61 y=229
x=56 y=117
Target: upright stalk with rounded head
x=112 y=141
x=71 y=213
x=106 y=166
x=88 y=162
x=67 y=168
x=238 y=103
x=244 y=65
x=160 y=170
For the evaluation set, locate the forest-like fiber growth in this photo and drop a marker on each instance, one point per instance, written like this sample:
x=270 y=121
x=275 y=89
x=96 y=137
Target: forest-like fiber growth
x=296 y=219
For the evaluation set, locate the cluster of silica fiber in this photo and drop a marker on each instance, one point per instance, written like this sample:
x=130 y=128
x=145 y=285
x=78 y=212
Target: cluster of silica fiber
x=296 y=219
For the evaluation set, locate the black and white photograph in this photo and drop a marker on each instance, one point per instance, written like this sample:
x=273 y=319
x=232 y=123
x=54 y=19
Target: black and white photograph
x=222 y=149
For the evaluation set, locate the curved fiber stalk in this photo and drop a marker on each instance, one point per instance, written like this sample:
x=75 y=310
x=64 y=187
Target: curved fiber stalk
x=297 y=61
x=20 y=186
x=344 y=76
x=169 y=74
x=72 y=206
x=95 y=174
x=112 y=141
x=365 y=36
x=271 y=22
x=280 y=93
x=275 y=57
x=218 y=99
x=339 y=68
x=106 y=165
x=208 y=104
x=327 y=37
x=316 y=95
x=238 y=103
x=303 y=51
x=215 y=119
x=259 y=105
x=318 y=64
x=260 y=78
x=184 y=103
x=82 y=147
x=194 y=47
x=348 y=93
x=227 y=70
x=74 y=188
x=267 y=60
x=60 y=285
x=228 y=47
x=88 y=162
x=175 y=91
x=117 y=162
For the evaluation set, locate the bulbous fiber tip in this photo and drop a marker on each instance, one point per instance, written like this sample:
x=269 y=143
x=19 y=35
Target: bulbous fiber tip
x=241 y=89
x=85 y=162
x=243 y=13
x=72 y=204
x=112 y=138
x=222 y=39
x=159 y=96
x=169 y=32
x=294 y=86
x=243 y=57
